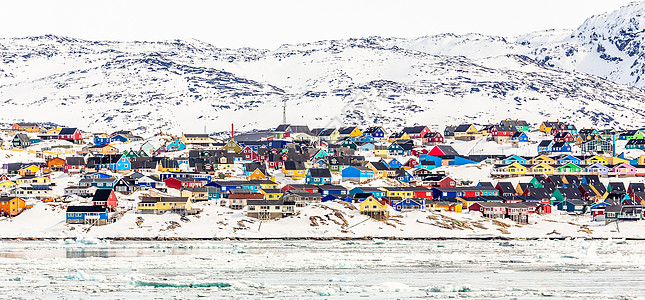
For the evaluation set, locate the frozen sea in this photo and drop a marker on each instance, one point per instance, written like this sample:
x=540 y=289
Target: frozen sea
x=374 y=269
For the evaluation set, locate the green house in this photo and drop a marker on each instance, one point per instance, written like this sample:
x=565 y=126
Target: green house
x=569 y=168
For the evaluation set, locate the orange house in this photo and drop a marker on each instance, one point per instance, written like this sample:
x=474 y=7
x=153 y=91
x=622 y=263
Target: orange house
x=29 y=127
x=56 y=164
x=11 y=206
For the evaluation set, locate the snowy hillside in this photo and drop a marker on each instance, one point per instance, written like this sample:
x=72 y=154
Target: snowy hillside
x=190 y=86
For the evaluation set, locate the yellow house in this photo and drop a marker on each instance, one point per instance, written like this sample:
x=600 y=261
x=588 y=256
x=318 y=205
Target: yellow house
x=596 y=159
x=56 y=130
x=401 y=192
x=641 y=160
x=224 y=163
x=542 y=159
x=293 y=169
x=266 y=184
x=542 y=168
x=168 y=166
x=33 y=180
x=381 y=151
x=272 y=194
x=515 y=169
x=6 y=184
x=352 y=131
x=611 y=160
x=446 y=206
x=545 y=128
x=380 y=170
x=465 y=204
x=199 y=138
x=398 y=136
x=374 y=208
x=156 y=205
x=470 y=131
x=195 y=194
x=31 y=170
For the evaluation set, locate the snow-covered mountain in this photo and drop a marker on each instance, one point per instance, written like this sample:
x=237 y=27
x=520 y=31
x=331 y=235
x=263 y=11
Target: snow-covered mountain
x=590 y=75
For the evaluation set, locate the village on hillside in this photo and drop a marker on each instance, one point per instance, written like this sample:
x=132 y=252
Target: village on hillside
x=506 y=171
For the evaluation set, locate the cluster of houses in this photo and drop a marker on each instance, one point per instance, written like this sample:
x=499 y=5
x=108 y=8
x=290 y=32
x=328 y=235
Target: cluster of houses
x=329 y=164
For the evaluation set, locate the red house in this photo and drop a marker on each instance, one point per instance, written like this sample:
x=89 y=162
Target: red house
x=499 y=130
x=432 y=138
x=563 y=136
x=443 y=150
x=416 y=132
x=70 y=134
x=105 y=198
x=178 y=183
x=249 y=153
x=422 y=192
x=302 y=187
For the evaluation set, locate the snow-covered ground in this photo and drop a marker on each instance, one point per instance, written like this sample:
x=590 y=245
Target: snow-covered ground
x=332 y=220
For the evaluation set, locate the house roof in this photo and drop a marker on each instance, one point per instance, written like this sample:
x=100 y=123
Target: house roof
x=86 y=209
x=414 y=129
x=506 y=187
x=101 y=195
x=462 y=128
x=319 y=172
x=545 y=143
x=447 y=150
x=67 y=131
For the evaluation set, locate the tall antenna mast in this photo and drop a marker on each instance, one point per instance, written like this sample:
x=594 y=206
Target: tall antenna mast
x=284 y=110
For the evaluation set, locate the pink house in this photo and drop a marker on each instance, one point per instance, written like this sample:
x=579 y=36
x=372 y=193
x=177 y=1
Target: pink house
x=624 y=169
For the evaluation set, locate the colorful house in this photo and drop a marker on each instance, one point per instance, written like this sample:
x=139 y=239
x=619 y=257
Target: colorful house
x=357 y=174
x=159 y=205
x=11 y=206
x=92 y=215
x=29 y=127
x=318 y=176
x=374 y=208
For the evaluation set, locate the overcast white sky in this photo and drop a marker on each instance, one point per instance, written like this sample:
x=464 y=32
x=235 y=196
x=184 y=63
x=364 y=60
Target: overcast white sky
x=268 y=24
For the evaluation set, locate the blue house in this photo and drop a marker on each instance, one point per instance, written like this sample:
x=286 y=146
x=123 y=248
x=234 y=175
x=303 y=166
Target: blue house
x=460 y=161
x=409 y=204
x=123 y=164
x=393 y=163
x=515 y=158
x=97 y=175
x=318 y=176
x=544 y=146
x=569 y=159
x=376 y=192
x=375 y=132
x=572 y=206
x=101 y=140
x=321 y=163
x=368 y=147
x=95 y=215
x=321 y=154
x=561 y=147
x=520 y=137
x=357 y=174
x=364 y=139
x=329 y=189
x=328 y=198
x=176 y=145
x=395 y=149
